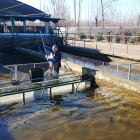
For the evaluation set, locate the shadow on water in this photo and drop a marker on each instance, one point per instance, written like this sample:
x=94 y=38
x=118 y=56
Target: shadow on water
x=11 y=56
x=4 y=132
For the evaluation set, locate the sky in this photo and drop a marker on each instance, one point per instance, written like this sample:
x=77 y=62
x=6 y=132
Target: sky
x=122 y=6
x=34 y=3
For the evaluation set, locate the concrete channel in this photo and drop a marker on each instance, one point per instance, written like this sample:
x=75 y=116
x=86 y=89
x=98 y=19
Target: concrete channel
x=82 y=68
x=113 y=104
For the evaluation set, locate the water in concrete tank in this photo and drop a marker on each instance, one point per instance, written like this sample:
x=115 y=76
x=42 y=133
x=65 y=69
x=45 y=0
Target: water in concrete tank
x=97 y=114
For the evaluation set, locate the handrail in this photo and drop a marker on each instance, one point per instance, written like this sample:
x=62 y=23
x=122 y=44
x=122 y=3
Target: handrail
x=35 y=79
x=41 y=87
x=62 y=34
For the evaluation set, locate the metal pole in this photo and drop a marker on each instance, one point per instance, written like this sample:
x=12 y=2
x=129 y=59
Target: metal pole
x=34 y=39
x=74 y=39
x=15 y=67
x=84 y=42
x=127 y=45
x=129 y=73
x=50 y=91
x=117 y=70
x=72 y=87
x=23 y=97
x=96 y=42
x=110 y=43
x=91 y=83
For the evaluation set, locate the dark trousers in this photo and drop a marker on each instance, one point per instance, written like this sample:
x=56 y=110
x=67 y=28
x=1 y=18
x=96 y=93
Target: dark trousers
x=55 y=66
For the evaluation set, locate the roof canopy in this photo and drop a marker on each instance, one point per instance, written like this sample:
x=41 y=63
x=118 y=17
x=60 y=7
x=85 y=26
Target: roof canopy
x=21 y=11
x=14 y=7
x=31 y=18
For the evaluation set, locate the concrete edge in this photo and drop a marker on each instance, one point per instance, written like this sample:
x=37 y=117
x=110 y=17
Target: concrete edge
x=118 y=81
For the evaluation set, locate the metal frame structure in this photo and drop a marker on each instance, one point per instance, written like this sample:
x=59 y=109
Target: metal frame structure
x=50 y=87
x=67 y=78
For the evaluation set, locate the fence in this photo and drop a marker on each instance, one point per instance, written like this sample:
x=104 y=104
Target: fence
x=114 y=44
x=128 y=71
x=17 y=77
x=29 y=41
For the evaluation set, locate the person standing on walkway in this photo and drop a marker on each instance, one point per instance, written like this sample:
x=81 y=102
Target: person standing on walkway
x=55 y=61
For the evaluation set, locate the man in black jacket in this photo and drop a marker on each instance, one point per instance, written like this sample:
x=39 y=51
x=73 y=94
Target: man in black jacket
x=56 y=57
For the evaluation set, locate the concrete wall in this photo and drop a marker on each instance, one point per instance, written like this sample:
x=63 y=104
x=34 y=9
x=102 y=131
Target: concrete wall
x=5 y=42
x=118 y=81
x=94 y=30
x=29 y=42
x=78 y=68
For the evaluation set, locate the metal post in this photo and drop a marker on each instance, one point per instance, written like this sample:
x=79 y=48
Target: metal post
x=23 y=97
x=12 y=27
x=117 y=70
x=91 y=83
x=50 y=91
x=129 y=73
x=72 y=87
x=96 y=42
x=74 y=39
x=24 y=26
x=34 y=39
x=84 y=42
x=110 y=43
x=127 y=45
x=15 y=67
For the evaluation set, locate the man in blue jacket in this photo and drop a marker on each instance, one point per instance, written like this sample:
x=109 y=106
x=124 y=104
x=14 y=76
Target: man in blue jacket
x=56 y=57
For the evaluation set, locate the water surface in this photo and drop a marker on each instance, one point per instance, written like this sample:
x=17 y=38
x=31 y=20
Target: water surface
x=97 y=114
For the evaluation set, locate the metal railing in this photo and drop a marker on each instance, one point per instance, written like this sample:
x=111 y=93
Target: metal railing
x=128 y=71
x=16 y=77
x=114 y=44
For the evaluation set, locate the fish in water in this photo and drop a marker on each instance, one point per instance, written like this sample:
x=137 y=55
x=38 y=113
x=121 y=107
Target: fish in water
x=111 y=119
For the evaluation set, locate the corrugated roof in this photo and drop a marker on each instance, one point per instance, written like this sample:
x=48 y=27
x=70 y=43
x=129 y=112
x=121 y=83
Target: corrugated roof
x=21 y=11
x=14 y=7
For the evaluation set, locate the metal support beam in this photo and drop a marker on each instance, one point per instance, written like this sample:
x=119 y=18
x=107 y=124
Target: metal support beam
x=23 y=97
x=24 y=26
x=72 y=87
x=12 y=27
x=91 y=83
x=47 y=27
x=5 y=28
x=50 y=91
x=129 y=73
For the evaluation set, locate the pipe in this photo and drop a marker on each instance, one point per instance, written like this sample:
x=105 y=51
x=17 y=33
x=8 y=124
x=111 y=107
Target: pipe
x=24 y=35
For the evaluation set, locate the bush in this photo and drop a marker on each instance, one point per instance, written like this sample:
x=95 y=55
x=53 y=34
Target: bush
x=107 y=38
x=123 y=38
x=116 y=39
x=135 y=40
x=99 y=36
x=78 y=34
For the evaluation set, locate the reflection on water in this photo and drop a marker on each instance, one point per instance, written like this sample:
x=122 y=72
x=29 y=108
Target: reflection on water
x=96 y=114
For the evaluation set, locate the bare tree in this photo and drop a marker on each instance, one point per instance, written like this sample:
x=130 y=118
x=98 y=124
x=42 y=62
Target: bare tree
x=102 y=13
x=75 y=11
x=79 y=14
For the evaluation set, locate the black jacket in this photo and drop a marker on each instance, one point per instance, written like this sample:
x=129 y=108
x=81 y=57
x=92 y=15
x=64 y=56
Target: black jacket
x=57 y=56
